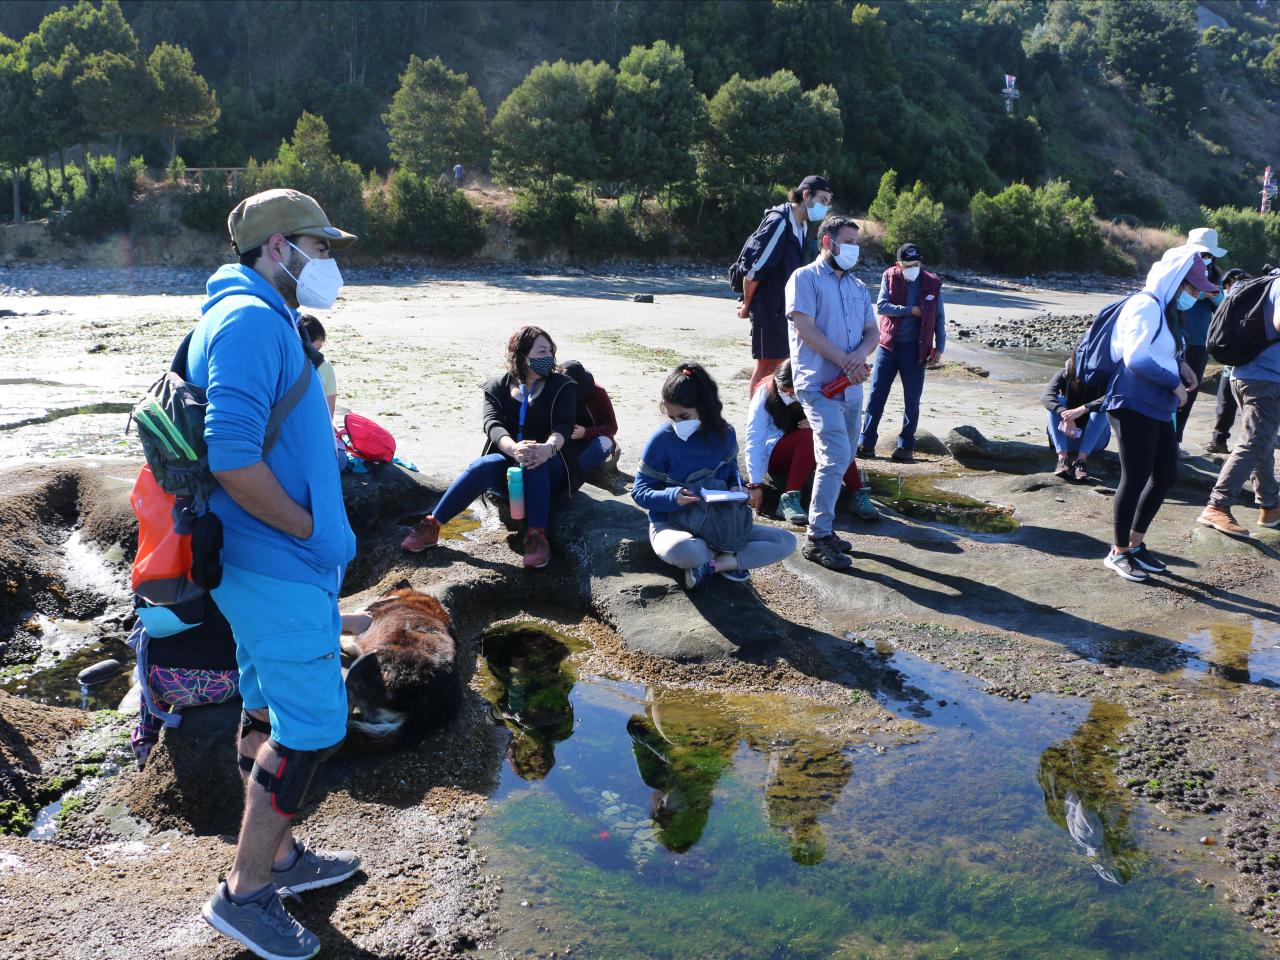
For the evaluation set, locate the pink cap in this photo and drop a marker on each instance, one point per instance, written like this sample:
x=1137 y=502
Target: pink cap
x=1198 y=276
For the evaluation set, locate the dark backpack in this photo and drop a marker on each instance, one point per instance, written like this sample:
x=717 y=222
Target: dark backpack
x=170 y=419
x=1238 y=330
x=739 y=269
x=1094 y=368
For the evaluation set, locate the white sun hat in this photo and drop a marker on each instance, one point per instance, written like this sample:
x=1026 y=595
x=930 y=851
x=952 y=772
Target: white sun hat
x=1205 y=239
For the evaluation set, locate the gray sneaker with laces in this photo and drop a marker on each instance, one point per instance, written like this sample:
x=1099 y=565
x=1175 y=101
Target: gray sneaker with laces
x=261 y=924
x=313 y=869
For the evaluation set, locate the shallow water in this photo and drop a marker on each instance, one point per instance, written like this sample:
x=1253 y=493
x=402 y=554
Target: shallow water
x=661 y=822
x=1237 y=653
x=56 y=683
x=920 y=498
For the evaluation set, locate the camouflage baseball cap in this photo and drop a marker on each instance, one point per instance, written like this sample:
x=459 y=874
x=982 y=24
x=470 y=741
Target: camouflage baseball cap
x=258 y=218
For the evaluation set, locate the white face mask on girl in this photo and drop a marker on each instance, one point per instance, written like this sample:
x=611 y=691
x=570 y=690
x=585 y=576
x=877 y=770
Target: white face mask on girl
x=788 y=398
x=685 y=428
x=319 y=282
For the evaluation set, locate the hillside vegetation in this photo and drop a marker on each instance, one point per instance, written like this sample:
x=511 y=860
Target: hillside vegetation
x=650 y=128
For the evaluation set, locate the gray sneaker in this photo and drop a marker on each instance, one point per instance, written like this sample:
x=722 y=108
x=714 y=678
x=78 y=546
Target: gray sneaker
x=826 y=552
x=314 y=869
x=262 y=924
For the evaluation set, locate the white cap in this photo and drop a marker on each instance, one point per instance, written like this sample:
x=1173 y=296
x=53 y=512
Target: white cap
x=1205 y=239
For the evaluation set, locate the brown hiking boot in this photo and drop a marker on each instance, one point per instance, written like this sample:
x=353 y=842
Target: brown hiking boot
x=1222 y=521
x=426 y=533
x=537 y=552
x=1269 y=517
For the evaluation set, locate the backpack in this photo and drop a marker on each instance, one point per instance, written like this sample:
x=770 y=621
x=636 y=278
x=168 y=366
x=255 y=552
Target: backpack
x=170 y=419
x=1094 y=368
x=726 y=527
x=179 y=538
x=1238 y=331
x=365 y=439
x=739 y=269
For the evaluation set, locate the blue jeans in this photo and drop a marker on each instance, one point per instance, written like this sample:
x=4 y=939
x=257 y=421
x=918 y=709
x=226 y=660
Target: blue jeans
x=904 y=361
x=1095 y=436
x=595 y=453
x=835 y=435
x=490 y=473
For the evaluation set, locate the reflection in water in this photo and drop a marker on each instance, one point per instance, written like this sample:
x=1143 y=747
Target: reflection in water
x=686 y=740
x=805 y=781
x=529 y=695
x=1238 y=653
x=1082 y=795
x=681 y=754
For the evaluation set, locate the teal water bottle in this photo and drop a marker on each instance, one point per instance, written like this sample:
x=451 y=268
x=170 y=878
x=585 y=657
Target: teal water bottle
x=515 y=491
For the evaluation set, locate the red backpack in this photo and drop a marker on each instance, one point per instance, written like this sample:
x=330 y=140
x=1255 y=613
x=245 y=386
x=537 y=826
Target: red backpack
x=365 y=439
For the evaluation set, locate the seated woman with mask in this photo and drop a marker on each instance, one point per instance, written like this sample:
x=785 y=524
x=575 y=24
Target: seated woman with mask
x=694 y=454
x=528 y=418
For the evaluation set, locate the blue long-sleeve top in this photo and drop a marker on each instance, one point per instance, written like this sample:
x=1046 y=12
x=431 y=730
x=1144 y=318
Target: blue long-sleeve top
x=909 y=329
x=246 y=354
x=665 y=453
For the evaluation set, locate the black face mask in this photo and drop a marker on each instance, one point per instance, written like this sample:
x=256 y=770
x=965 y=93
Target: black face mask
x=542 y=366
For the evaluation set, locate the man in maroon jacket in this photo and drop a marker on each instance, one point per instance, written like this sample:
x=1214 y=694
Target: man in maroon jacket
x=913 y=335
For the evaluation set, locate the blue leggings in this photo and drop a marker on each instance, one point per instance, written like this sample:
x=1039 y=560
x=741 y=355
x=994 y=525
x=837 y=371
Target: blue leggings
x=490 y=473
x=595 y=453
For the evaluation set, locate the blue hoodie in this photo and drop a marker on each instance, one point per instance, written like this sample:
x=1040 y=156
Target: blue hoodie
x=246 y=354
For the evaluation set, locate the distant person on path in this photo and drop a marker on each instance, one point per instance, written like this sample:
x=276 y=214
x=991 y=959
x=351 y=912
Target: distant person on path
x=286 y=544
x=1256 y=386
x=528 y=418
x=313 y=330
x=769 y=257
x=780 y=445
x=1195 y=321
x=1077 y=429
x=1150 y=384
x=695 y=446
x=595 y=426
x=459 y=175
x=913 y=334
x=1226 y=409
x=832 y=332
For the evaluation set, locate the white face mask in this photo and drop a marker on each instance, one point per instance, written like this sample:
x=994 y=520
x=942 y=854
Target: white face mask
x=685 y=428
x=788 y=398
x=911 y=273
x=847 y=257
x=319 y=282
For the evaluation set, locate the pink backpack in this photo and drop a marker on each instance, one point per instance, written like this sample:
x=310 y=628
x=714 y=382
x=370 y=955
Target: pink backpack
x=365 y=439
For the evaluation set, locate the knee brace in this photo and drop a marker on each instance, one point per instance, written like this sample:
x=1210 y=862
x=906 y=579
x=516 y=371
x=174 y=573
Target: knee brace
x=251 y=724
x=287 y=784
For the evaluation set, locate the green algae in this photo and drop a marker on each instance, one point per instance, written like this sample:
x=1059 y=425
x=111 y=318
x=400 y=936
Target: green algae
x=920 y=498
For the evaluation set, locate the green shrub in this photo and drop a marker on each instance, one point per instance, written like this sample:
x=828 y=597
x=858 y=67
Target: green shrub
x=1250 y=238
x=91 y=217
x=15 y=819
x=1020 y=229
x=604 y=233
x=548 y=213
x=917 y=218
x=886 y=196
x=421 y=216
x=206 y=203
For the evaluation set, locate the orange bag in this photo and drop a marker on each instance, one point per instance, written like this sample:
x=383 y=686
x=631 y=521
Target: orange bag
x=162 y=565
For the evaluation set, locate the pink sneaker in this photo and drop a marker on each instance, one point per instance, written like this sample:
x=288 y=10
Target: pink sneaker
x=425 y=534
x=537 y=552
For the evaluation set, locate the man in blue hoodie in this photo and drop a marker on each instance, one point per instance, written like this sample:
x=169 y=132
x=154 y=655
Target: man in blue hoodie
x=286 y=543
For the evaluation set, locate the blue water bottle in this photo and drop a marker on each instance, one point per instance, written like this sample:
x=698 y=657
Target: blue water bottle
x=515 y=491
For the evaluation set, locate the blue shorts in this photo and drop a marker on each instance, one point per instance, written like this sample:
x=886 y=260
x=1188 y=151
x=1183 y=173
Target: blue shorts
x=287 y=649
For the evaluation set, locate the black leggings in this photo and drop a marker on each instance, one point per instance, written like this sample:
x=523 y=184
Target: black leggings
x=1148 y=469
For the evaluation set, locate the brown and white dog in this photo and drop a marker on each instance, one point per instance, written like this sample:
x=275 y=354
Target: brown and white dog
x=404 y=681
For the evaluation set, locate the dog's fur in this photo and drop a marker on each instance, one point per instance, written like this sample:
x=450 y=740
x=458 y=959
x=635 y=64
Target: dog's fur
x=404 y=681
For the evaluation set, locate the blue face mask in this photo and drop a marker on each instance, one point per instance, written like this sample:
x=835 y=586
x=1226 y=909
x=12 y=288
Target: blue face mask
x=1186 y=301
x=817 y=211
